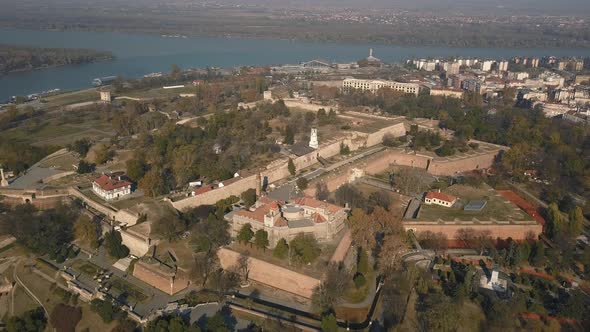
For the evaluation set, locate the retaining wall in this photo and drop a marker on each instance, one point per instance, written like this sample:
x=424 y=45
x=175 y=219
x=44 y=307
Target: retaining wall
x=271 y=275
x=516 y=232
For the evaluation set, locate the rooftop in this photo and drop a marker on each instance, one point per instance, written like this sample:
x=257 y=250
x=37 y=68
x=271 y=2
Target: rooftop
x=109 y=183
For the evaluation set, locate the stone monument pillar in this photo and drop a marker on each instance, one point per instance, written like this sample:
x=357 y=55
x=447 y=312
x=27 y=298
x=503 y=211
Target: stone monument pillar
x=3 y=181
x=313 y=141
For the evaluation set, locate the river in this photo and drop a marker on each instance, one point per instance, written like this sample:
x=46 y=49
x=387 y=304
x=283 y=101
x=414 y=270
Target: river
x=140 y=54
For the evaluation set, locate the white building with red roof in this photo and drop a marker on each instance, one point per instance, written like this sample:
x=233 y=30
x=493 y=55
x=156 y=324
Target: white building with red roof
x=110 y=187
x=438 y=198
x=285 y=220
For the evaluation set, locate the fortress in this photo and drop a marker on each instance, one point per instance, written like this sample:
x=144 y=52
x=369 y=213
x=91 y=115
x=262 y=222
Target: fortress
x=482 y=158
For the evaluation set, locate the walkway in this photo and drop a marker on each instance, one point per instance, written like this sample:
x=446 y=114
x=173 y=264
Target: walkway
x=31 y=294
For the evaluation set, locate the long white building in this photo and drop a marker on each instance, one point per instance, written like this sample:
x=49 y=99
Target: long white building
x=350 y=84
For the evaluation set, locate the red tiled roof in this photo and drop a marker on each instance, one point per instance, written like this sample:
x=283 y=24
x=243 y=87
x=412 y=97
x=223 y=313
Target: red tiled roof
x=440 y=196
x=280 y=222
x=318 y=218
x=108 y=184
x=202 y=190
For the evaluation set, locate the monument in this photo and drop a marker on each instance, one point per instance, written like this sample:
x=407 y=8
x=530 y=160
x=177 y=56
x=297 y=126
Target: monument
x=313 y=141
x=3 y=181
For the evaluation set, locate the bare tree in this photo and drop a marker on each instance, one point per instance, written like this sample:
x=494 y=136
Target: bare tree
x=362 y=229
x=331 y=289
x=411 y=180
x=243 y=266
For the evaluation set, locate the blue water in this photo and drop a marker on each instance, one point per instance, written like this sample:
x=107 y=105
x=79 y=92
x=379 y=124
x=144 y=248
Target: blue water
x=140 y=54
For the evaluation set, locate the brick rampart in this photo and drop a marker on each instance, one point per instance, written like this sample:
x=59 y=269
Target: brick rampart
x=516 y=232
x=167 y=283
x=271 y=275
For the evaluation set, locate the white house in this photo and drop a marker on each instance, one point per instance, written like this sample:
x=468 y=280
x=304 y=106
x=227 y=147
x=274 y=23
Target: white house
x=438 y=198
x=111 y=187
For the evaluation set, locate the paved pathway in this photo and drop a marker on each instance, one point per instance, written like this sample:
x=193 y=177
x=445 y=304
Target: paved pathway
x=17 y=279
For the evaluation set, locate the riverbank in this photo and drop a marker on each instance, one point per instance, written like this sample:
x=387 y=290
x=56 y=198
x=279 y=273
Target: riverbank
x=140 y=54
x=16 y=59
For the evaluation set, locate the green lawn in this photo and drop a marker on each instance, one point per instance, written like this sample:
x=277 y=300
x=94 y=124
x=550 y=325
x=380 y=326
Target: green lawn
x=496 y=208
x=69 y=98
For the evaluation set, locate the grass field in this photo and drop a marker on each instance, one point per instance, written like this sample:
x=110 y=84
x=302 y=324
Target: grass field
x=68 y=98
x=497 y=208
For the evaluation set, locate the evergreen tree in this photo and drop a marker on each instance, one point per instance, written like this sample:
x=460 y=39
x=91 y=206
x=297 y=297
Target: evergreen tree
x=261 y=239
x=554 y=221
x=576 y=222
x=291 y=167
x=329 y=323
x=245 y=234
x=281 y=250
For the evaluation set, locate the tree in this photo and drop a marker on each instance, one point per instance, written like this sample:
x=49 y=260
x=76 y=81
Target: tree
x=289 y=136
x=344 y=149
x=348 y=194
x=304 y=248
x=217 y=323
x=102 y=154
x=302 y=183
x=84 y=167
x=261 y=239
x=411 y=180
x=281 y=250
x=153 y=183
x=114 y=245
x=245 y=234
x=390 y=140
x=175 y=71
x=136 y=169
x=554 y=221
x=321 y=191
x=537 y=257
x=81 y=146
x=65 y=318
x=105 y=309
x=291 y=167
x=42 y=232
x=439 y=314
x=362 y=229
x=331 y=289
x=243 y=266
x=86 y=230
x=170 y=323
x=576 y=221
x=168 y=227
x=249 y=197
x=329 y=323
x=30 y=321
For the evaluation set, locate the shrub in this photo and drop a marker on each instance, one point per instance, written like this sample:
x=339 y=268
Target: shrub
x=359 y=280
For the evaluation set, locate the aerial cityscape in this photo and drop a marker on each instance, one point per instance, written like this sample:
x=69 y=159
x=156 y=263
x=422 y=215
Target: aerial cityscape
x=296 y=165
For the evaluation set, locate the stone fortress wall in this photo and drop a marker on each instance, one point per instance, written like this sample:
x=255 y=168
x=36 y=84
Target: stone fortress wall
x=270 y=274
x=279 y=170
x=384 y=160
x=517 y=232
